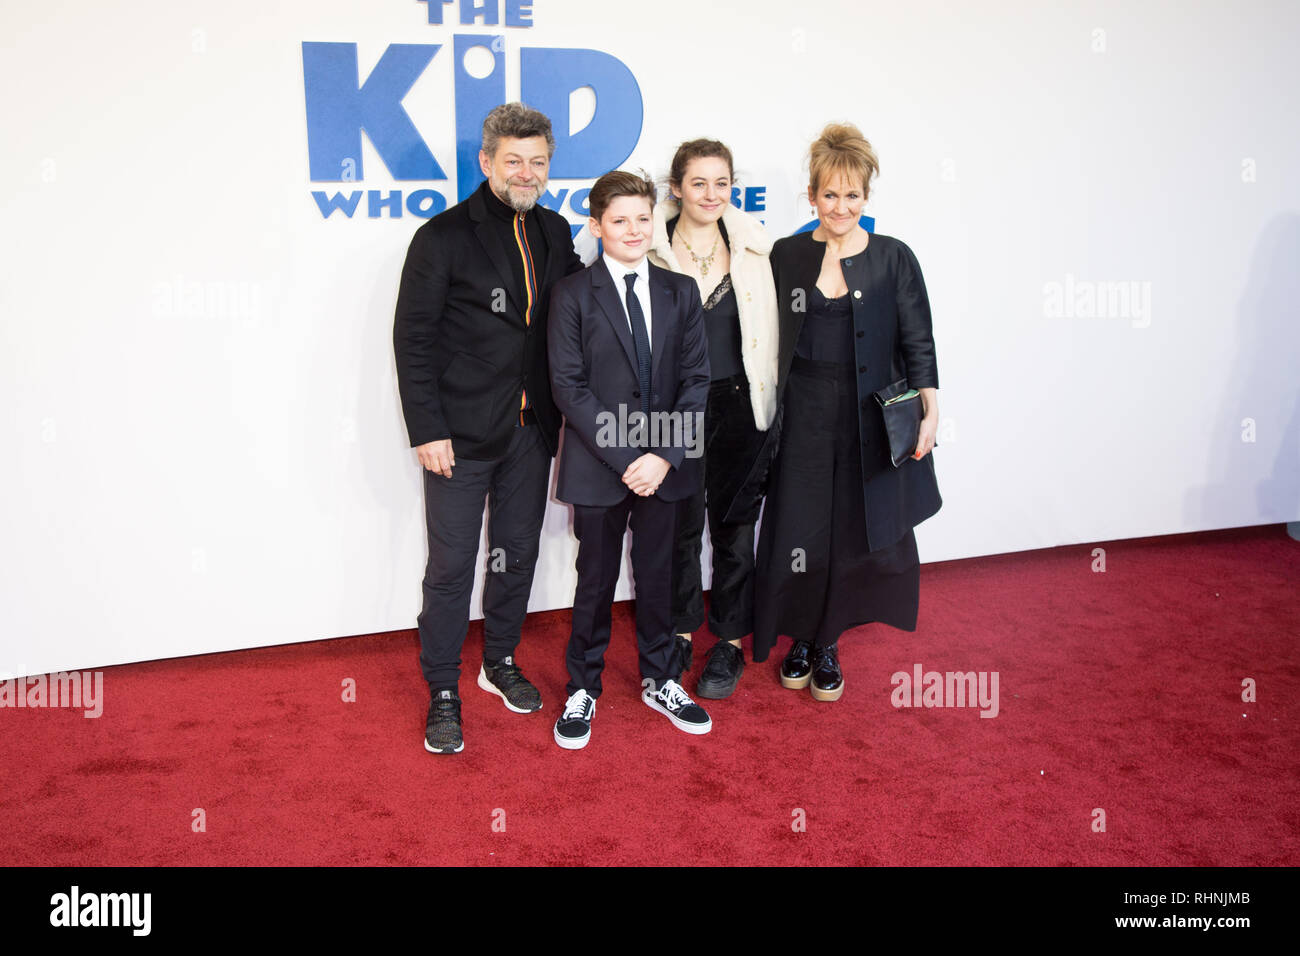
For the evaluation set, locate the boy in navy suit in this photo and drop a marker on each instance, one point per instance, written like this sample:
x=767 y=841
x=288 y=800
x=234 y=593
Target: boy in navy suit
x=630 y=371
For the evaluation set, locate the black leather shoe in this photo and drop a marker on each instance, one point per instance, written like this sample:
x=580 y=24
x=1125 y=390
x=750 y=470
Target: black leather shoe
x=721 y=672
x=796 y=669
x=683 y=648
x=827 y=679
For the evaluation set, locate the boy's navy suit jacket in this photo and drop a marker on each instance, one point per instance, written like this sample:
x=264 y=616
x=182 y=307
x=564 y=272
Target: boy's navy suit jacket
x=593 y=369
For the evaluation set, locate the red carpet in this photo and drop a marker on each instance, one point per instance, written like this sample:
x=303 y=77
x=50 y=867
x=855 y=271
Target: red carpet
x=1119 y=690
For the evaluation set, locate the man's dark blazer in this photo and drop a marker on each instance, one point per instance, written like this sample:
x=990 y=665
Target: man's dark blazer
x=463 y=351
x=594 y=370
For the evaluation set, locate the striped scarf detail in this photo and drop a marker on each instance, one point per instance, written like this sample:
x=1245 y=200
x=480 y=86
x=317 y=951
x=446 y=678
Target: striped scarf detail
x=530 y=289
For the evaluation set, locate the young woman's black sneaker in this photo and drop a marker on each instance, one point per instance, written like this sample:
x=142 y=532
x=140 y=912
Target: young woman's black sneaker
x=722 y=671
x=442 y=728
x=796 y=669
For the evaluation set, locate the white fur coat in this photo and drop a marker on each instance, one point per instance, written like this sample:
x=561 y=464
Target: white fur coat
x=751 y=277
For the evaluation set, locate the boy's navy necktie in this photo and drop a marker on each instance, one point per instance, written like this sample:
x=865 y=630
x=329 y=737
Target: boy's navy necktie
x=642 y=340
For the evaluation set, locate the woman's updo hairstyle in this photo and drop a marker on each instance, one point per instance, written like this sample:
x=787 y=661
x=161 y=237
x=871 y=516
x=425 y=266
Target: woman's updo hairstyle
x=842 y=149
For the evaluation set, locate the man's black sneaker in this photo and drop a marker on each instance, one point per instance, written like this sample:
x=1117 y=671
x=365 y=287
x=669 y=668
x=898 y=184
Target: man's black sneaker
x=503 y=679
x=683 y=649
x=573 y=729
x=442 y=729
x=722 y=671
x=671 y=701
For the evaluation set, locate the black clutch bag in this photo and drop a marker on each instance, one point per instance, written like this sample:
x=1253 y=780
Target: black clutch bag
x=900 y=407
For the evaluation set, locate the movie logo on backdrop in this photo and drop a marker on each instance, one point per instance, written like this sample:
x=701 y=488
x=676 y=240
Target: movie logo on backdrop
x=341 y=105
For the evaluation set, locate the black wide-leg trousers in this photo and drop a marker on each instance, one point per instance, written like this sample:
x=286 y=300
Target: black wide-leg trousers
x=817 y=576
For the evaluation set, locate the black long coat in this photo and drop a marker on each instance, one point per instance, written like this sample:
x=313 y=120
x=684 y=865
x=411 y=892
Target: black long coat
x=892 y=340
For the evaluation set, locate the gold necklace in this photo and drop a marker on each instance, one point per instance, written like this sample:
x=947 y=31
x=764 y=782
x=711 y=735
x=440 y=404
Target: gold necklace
x=702 y=262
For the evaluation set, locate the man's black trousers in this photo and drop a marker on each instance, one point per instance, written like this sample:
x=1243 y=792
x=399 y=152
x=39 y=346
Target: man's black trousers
x=515 y=487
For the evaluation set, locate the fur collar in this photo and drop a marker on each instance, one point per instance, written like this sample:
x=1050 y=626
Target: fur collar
x=743 y=231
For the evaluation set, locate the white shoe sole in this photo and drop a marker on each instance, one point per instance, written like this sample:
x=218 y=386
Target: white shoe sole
x=649 y=700
x=571 y=743
x=432 y=751
x=491 y=688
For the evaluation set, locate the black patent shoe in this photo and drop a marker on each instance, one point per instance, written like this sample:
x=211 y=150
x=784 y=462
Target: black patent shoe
x=722 y=671
x=682 y=649
x=827 y=679
x=796 y=669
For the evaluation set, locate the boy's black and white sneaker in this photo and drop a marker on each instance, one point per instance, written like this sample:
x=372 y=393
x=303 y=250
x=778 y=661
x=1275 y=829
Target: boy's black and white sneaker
x=442 y=728
x=573 y=729
x=504 y=679
x=671 y=701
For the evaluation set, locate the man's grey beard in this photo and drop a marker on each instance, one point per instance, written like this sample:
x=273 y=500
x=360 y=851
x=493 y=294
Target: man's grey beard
x=517 y=203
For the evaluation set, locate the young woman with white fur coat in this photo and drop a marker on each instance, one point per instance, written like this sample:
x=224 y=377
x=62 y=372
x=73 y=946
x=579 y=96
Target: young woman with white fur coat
x=701 y=234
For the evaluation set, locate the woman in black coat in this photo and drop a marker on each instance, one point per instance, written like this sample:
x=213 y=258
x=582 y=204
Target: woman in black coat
x=836 y=548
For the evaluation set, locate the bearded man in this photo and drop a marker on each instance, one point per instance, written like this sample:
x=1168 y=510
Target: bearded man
x=470 y=342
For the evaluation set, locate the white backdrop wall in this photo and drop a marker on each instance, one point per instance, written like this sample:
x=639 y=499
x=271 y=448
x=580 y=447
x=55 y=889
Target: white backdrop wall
x=203 y=443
